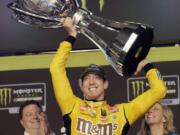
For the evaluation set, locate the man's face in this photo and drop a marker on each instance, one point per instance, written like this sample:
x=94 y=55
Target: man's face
x=93 y=87
x=155 y=115
x=30 y=117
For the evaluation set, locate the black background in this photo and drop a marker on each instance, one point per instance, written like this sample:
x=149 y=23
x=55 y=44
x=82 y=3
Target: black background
x=16 y=38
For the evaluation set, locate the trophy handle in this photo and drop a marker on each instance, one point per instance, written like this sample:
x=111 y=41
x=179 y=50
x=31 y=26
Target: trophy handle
x=108 y=24
x=101 y=44
x=116 y=26
x=111 y=55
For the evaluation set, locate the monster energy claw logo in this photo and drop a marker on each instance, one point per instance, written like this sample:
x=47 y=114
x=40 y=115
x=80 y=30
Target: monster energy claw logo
x=138 y=87
x=5 y=96
x=101 y=4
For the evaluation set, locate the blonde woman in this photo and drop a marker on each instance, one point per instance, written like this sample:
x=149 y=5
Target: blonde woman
x=158 y=121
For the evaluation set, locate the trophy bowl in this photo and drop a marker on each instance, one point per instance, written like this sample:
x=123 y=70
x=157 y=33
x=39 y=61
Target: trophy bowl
x=42 y=13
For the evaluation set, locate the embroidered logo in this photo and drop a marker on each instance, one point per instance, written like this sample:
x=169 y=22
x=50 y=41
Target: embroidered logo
x=89 y=128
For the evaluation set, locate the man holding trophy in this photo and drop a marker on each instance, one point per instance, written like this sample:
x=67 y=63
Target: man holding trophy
x=93 y=115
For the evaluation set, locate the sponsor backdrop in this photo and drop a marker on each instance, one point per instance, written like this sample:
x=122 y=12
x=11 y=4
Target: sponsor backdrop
x=18 y=83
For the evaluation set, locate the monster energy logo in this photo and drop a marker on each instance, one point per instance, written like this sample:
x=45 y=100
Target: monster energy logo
x=101 y=4
x=13 y=95
x=137 y=87
x=5 y=96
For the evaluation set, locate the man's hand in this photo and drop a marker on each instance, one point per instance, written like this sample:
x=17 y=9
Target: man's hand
x=44 y=124
x=141 y=66
x=69 y=26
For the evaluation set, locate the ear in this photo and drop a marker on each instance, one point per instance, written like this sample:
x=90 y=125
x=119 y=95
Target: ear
x=106 y=84
x=80 y=83
x=22 y=123
x=164 y=119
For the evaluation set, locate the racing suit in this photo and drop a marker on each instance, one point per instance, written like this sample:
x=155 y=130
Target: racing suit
x=82 y=117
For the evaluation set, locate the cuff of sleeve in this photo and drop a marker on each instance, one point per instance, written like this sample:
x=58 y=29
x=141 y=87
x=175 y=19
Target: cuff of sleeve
x=148 y=66
x=71 y=39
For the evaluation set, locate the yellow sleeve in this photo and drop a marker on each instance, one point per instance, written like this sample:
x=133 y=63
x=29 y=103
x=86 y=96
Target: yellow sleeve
x=137 y=107
x=62 y=88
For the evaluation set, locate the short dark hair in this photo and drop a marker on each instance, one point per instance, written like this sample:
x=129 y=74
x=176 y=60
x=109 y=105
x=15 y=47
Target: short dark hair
x=94 y=69
x=29 y=102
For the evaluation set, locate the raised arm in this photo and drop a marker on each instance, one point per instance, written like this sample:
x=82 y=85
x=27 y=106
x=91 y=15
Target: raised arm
x=62 y=88
x=137 y=107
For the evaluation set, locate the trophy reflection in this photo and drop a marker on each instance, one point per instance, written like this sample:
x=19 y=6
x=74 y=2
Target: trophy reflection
x=131 y=44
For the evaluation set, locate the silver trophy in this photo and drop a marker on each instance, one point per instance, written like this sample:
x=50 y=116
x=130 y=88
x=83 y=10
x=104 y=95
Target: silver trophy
x=130 y=46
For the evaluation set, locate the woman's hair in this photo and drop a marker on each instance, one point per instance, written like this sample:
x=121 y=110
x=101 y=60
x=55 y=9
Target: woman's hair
x=168 y=124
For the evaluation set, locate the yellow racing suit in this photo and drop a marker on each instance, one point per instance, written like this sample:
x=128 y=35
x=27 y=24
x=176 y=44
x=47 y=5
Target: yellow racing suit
x=82 y=117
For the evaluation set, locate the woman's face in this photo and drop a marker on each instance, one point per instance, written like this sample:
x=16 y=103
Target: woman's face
x=155 y=115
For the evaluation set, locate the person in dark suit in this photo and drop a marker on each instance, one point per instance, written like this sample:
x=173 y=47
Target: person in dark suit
x=33 y=119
